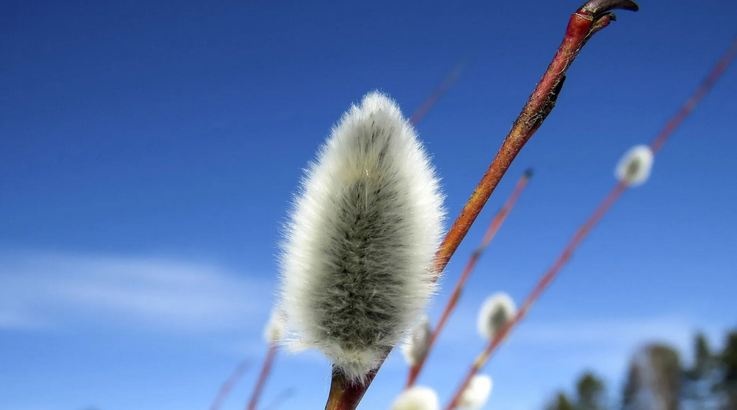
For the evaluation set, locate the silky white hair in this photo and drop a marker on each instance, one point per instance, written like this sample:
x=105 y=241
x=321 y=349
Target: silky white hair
x=496 y=311
x=635 y=166
x=477 y=393
x=276 y=327
x=416 y=345
x=417 y=398
x=357 y=260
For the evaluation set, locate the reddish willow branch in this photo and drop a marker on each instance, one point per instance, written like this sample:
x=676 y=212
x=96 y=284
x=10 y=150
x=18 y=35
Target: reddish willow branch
x=228 y=385
x=656 y=144
x=494 y=226
x=263 y=376
x=584 y=23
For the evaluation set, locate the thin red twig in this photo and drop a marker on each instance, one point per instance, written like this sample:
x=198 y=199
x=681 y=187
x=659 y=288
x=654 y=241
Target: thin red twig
x=539 y=288
x=437 y=93
x=657 y=143
x=228 y=384
x=491 y=231
x=285 y=395
x=706 y=85
x=263 y=376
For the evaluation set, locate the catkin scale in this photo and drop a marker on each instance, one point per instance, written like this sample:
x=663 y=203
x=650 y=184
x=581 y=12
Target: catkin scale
x=357 y=258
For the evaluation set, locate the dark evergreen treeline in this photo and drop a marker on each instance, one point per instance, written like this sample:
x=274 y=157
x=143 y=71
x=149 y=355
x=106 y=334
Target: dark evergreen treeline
x=657 y=379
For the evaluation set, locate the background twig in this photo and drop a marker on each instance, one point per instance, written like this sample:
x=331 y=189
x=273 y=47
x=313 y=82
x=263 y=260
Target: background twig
x=263 y=376
x=655 y=145
x=229 y=383
x=491 y=231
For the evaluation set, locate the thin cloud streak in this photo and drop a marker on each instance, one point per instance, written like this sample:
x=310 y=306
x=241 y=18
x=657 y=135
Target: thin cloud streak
x=50 y=290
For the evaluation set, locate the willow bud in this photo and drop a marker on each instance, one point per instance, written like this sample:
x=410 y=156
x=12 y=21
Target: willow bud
x=635 y=166
x=417 y=398
x=477 y=393
x=496 y=311
x=357 y=262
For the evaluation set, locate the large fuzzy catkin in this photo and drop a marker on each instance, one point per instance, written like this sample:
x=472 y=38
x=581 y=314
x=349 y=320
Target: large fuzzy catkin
x=635 y=166
x=357 y=261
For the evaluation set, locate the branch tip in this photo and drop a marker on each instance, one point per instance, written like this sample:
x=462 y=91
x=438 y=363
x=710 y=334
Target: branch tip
x=599 y=8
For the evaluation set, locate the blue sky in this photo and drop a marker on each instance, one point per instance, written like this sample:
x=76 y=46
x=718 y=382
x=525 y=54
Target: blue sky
x=149 y=152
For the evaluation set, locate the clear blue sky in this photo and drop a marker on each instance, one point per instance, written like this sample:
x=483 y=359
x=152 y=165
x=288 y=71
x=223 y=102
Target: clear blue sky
x=149 y=151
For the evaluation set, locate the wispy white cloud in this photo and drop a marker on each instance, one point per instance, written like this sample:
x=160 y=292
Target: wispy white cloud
x=11 y=319
x=50 y=290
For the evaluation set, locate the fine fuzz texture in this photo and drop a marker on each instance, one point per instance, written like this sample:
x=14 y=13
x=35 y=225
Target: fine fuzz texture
x=275 y=328
x=416 y=345
x=477 y=393
x=357 y=262
x=494 y=314
x=417 y=398
x=634 y=167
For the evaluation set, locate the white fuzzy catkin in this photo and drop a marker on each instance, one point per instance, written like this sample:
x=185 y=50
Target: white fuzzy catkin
x=357 y=261
x=275 y=328
x=417 y=398
x=635 y=166
x=494 y=314
x=415 y=348
x=476 y=393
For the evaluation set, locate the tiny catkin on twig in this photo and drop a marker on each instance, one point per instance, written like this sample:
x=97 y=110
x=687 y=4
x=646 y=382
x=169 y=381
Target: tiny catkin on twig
x=417 y=398
x=632 y=169
x=415 y=348
x=477 y=393
x=583 y=24
x=496 y=311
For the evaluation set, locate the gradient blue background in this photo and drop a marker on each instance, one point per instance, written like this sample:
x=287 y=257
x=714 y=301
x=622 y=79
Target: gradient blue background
x=149 y=151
